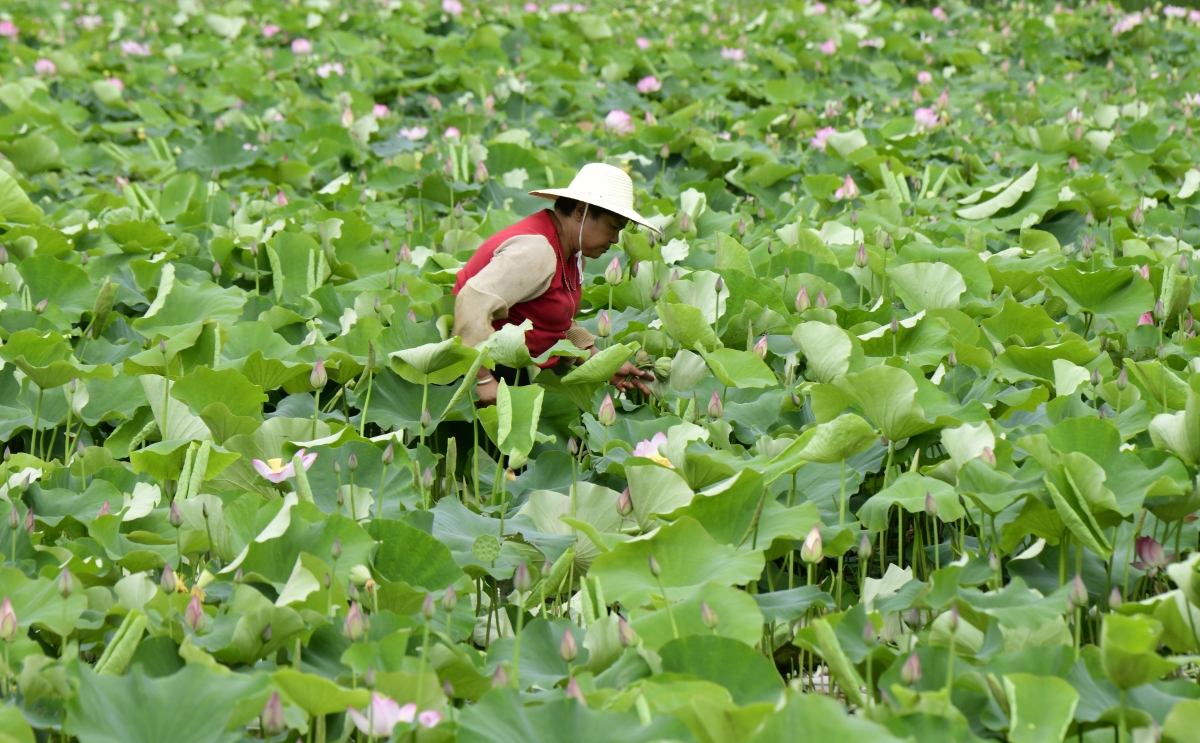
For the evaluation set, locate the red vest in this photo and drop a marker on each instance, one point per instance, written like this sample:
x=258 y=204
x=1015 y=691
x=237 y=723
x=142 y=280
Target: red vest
x=552 y=312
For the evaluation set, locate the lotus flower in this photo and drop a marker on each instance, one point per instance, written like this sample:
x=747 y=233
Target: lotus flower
x=642 y=43
x=818 y=9
x=649 y=84
x=1151 y=555
x=270 y=30
x=429 y=718
x=939 y=14
x=44 y=67
x=531 y=7
x=829 y=47
x=86 y=22
x=276 y=471
x=733 y=54
x=850 y=189
x=453 y=7
x=8 y=621
x=619 y=122
x=7 y=28
x=382 y=716
x=415 y=133
x=347 y=118
x=302 y=46
x=134 y=49
x=924 y=77
x=926 y=118
x=116 y=82
x=451 y=132
x=1147 y=318
x=649 y=448
x=818 y=141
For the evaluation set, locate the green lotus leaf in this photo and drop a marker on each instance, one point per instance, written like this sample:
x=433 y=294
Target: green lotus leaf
x=433 y=363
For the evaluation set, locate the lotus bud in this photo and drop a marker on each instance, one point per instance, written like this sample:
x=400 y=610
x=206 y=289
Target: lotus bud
x=1078 y=595
x=910 y=672
x=656 y=291
x=1095 y=380
x=3 y=255
x=625 y=503
x=684 y=222
x=895 y=325
x=9 y=627
x=167 y=581
x=427 y=479
x=613 y=273
x=174 y=517
x=1123 y=380
x=14 y=519
x=1159 y=312
x=887 y=241
x=603 y=325
x=327 y=581
x=66 y=583
x=319 y=376
x=952 y=360
x=720 y=285
x=822 y=302
x=499 y=678
x=355 y=626
x=865 y=548
x=266 y=633
x=449 y=600
x=988 y=456
x=336 y=548
x=993 y=562
x=7 y=453
x=931 y=506
x=29 y=524
x=576 y=693
x=389 y=454
x=1089 y=219
x=1139 y=217
x=1114 y=600
x=572 y=447
x=1086 y=252
x=655 y=568
x=42 y=305
x=448 y=689
x=608 y=412
x=104 y=510
x=522 y=580
x=860 y=256
x=675 y=276
x=625 y=633
x=708 y=617
x=337 y=469
x=741 y=228
x=869 y=634
x=216 y=270
x=760 y=348
x=427 y=607
x=715 y=408
x=850 y=188
x=811 y=552
x=1189 y=322
x=954 y=621
x=568 y=649
x=796 y=401
x=1162 y=352
x=194 y=616
x=665 y=152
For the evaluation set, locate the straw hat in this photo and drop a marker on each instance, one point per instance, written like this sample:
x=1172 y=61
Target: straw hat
x=602 y=185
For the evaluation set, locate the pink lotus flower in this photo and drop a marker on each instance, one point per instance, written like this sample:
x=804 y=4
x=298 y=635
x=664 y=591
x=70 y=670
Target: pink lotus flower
x=453 y=7
x=619 y=122
x=452 y=132
x=89 y=22
x=380 y=111
x=531 y=7
x=116 y=82
x=44 y=67
x=1147 y=318
x=818 y=141
x=1194 y=16
x=926 y=118
x=9 y=29
x=415 y=133
x=281 y=198
x=134 y=49
x=1151 y=555
x=924 y=77
x=270 y=30
x=733 y=54
x=642 y=43
x=1174 y=11
x=276 y=471
x=301 y=46
x=347 y=118
x=429 y=718
x=648 y=448
x=939 y=14
x=559 y=8
x=849 y=188
x=382 y=716
x=819 y=9
x=829 y=47
x=649 y=84
x=326 y=69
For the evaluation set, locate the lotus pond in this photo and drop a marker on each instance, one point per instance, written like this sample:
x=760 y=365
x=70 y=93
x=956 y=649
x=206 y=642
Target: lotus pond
x=920 y=461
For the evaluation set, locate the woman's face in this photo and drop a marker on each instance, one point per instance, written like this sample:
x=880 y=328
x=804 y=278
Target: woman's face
x=599 y=231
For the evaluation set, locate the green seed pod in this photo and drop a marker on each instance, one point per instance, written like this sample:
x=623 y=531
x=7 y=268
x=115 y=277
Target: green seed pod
x=662 y=368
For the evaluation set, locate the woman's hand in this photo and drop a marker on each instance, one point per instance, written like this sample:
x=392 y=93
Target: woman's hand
x=487 y=388
x=629 y=377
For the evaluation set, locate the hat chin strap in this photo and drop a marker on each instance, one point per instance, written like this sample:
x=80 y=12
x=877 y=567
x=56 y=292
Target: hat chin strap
x=579 y=241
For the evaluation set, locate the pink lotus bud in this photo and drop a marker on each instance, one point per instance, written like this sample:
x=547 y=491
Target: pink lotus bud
x=174 y=516
x=812 y=550
x=499 y=678
x=354 y=628
x=522 y=580
x=613 y=274
x=850 y=188
x=802 y=302
x=1078 y=595
x=822 y=301
x=449 y=600
x=865 y=548
x=427 y=607
x=272 y=719
x=760 y=348
x=625 y=633
x=708 y=617
x=608 y=412
x=574 y=692
x=194 y=614
x=655 y=568
x=568 y=650
x=281 y=198
x=167 y=581
x=481 y=172
x=66 y=583
x=9 y=627
x=860 y=256
x=1114 y=600
x=625 y=503
x=1139 y=218
x=910 y=672
x=603 y=325
x=319 y=377
x=29 y=523
x=988 y=456
x=931 y=506
x=716 y=408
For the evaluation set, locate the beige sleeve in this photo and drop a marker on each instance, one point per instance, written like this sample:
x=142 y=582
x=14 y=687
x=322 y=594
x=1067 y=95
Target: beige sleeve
x=580 y=337
x=520 y=270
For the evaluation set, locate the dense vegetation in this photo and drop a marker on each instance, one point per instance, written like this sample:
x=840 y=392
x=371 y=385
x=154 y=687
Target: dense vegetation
x=920 y=462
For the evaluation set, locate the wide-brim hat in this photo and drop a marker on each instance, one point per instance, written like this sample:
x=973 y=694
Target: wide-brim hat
x=602 y=185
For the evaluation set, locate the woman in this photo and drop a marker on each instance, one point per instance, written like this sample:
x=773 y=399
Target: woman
x=533 y=271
